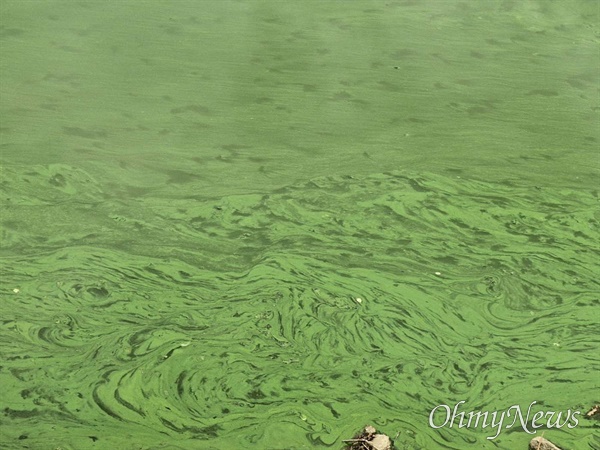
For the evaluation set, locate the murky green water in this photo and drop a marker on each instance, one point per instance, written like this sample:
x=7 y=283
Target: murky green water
x=266 y=224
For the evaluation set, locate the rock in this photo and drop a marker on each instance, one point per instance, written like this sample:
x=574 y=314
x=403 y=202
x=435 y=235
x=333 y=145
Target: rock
x=369 y=439
x=540 y=443
x=381 y=442
x=369 y=430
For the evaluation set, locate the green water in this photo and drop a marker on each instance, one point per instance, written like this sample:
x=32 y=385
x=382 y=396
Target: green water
x=267 y=224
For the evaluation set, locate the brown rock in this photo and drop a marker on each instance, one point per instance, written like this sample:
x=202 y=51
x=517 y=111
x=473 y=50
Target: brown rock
x=540 y=443
x=381 y=442
x=369 y=439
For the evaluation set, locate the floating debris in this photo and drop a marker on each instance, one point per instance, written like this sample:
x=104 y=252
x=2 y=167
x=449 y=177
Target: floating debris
x=369 y=439
x=593 y=413
x=540 y=443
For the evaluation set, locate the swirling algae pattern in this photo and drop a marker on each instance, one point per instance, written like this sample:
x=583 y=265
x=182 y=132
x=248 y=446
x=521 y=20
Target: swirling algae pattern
x=292 y=319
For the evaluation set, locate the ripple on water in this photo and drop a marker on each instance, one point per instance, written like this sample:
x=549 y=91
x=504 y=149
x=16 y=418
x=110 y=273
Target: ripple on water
x=236 y=321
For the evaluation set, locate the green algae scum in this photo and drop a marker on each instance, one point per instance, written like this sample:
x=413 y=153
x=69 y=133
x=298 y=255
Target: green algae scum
x=266 y=224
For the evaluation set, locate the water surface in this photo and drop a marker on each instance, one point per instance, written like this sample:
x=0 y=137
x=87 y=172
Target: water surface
x=267 y=224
